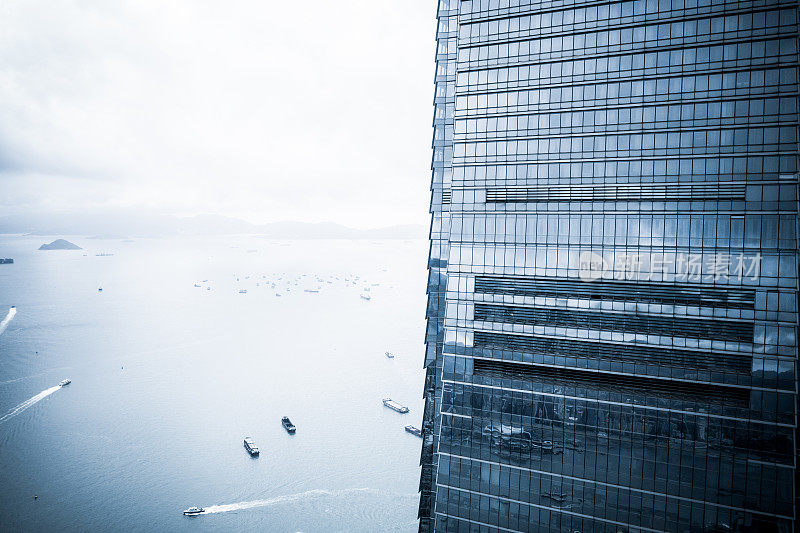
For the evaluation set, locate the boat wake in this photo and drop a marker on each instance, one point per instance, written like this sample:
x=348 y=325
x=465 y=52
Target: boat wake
x=226 y=508
x=29 y=402
x=9 y=317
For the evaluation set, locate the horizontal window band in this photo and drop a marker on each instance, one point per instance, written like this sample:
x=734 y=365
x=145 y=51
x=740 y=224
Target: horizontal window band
x=568 y=377
x=710 y=9
x=767 y=60
x=630 y=79
x=626 y=353
x=696 y=328
x=631 y=192
x=650 y=293
x=631 y=159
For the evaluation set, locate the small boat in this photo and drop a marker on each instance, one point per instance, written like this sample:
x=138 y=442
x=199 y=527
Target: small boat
x=208 y=288
x=193 y=511
x=65 y=382
x=414 y=431
x=242 y=291
x=310 y=290
x=250 y=446
x=394 y=406
x=287 y=424
x=390 y=355
x=365 y=296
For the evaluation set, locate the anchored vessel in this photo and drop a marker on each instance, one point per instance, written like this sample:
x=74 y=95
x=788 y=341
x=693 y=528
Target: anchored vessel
x=193 y=511
x=414 y=431
x=250 y=446
x=394 y=406
x=65 y=382
x=287 y=424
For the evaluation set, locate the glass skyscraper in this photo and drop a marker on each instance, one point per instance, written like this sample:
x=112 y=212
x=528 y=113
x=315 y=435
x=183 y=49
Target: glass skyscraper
x=613 y=285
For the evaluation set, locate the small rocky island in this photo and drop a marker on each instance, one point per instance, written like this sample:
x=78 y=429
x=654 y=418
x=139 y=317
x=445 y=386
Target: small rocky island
x=60 y=244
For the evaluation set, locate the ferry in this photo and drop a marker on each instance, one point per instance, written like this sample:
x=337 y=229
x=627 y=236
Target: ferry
x=414 y=431
x=193 y=511
x=250 y=446
x=390 y=355
x=394 y=406
x=287 y=424
x=365 y=296
x=65 y=382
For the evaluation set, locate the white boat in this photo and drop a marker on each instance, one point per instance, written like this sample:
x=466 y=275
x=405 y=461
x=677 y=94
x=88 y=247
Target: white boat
x=311 y=290
x=193 y=511
x=365 y=296
x=394 y=406
x=242 y=291
x=250 y=446
x=197 y=285
x=65 y=382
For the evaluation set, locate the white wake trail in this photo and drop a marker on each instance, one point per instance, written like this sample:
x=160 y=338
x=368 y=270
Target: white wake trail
x=27 y=403
x=279 y=499
x=9 y=317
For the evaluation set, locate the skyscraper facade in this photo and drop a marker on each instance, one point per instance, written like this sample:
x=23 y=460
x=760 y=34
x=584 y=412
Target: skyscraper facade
x=613 y=288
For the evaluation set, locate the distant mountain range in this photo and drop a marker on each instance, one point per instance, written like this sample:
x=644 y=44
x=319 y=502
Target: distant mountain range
x=133 y=224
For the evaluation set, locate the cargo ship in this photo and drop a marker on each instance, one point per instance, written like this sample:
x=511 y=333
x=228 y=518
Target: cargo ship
x=394 y=406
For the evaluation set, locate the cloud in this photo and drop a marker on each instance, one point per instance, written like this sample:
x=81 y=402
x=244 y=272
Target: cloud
x=271 y=110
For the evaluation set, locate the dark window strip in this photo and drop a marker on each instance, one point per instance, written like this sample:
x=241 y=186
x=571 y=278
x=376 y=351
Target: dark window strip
x=628 y=353
x=637 y=192
x=624 y=322
x=568 y=377
x=656 y=293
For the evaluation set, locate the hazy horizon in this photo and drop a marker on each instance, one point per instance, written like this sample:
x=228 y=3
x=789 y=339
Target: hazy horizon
x=267 y=112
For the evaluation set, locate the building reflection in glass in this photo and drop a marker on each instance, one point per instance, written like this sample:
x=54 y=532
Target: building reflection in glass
x=613 y=289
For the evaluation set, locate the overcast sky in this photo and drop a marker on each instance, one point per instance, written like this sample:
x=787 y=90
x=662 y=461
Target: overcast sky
x=310 y=110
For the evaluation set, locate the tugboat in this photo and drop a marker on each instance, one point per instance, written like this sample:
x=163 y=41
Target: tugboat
x=250 y=446
x=414 y=431
x=193 y=511
x=287 y=425
x=65 y=382
x=394 y=406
